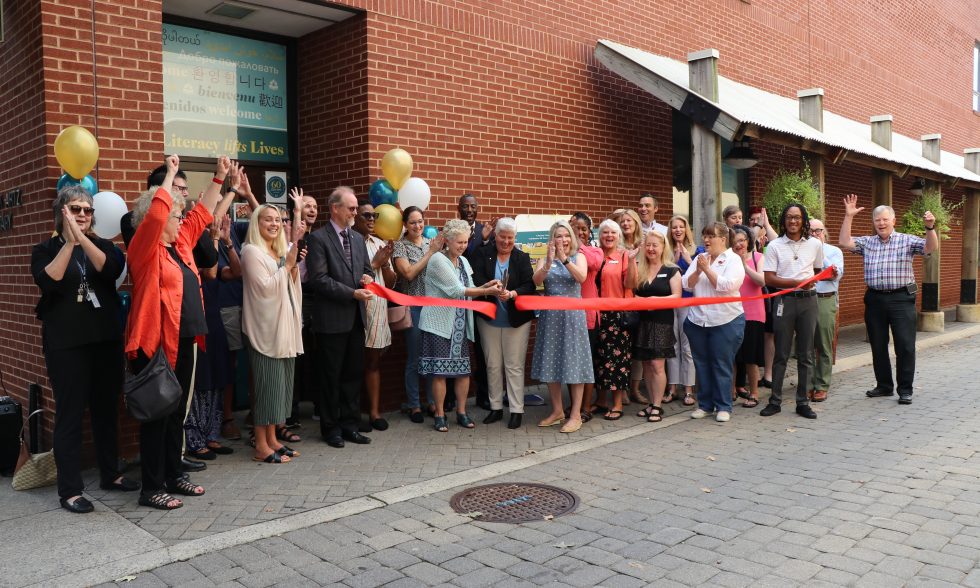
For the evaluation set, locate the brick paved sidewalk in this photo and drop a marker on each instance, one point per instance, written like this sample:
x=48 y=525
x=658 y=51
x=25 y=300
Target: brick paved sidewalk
x=870 y=494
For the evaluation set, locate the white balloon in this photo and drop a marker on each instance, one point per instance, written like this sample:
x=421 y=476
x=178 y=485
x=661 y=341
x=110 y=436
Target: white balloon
x=109 y=210
x=414 y=192
x=122 y=277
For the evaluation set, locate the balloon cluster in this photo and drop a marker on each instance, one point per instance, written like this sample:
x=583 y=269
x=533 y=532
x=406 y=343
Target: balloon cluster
x=77 y=151
x=397 y=187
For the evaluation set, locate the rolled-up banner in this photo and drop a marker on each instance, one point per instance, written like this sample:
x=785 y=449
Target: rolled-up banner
x=487 y=308
x=649 y=303
x=563 y=303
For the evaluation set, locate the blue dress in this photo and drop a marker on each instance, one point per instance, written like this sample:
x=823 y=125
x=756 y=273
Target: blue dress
x=561 y=346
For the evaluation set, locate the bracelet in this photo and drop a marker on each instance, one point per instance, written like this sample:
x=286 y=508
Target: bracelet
x=932 y=228
x=234 y=191
x=217 y=181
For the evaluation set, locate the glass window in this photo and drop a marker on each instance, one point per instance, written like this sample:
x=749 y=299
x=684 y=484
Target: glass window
x=224 y=95
x=734 y=182
x=976 y=77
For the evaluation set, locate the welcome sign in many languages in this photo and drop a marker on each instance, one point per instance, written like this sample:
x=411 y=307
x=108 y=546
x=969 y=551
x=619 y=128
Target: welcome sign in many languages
x=224 y=95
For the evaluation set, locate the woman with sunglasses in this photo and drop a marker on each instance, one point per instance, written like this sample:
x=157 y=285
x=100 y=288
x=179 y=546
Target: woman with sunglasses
x=377 y=333
x=82 y=341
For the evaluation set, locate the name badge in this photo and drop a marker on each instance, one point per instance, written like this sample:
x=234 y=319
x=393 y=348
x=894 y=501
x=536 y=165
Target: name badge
x=661 y=275
x=612 y=261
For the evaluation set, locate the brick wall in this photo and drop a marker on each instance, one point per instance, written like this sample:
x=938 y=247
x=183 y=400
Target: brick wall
x=60 y=78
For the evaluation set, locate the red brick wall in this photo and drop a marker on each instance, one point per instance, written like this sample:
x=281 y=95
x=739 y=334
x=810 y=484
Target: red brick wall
x=48 y=57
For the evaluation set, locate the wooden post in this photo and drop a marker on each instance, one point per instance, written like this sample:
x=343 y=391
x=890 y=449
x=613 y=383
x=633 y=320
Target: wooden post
x=881 y=180
x=931 y=318
x=705 y=144
x=811 y=112
x=968 y=311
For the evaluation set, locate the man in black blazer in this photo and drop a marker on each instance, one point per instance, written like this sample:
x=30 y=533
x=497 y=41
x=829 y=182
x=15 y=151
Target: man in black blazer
x=338 y=268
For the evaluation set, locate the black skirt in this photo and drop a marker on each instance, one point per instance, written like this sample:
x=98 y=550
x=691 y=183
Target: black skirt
x=752 y=350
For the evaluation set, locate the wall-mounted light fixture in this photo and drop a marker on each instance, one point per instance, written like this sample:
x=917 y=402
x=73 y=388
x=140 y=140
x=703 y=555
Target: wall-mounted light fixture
x=917 y=186
x=740 y=156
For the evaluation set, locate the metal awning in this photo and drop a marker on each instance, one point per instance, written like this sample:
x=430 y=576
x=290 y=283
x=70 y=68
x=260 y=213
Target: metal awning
x=743 y=110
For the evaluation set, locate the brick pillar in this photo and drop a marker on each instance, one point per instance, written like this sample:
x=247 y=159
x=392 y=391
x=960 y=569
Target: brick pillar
x=968 y=310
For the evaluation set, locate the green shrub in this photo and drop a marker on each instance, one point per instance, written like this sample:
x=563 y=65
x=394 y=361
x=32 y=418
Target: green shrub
x=931 y=200
x=792 y=186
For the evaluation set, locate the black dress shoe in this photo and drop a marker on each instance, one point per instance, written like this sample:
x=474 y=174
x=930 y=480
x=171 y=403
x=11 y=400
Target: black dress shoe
x=770 y=410
x=416 y=417
x=335 y=442
x=493 y=416
x=484 y=403
x=515 y=420
x=356 y=437
x=805 y=411
x=187 y=465
x=364 y=427
x=905 y=399
x=379 y=424
x=764 y=383
x=80 y=506
x=876 y=393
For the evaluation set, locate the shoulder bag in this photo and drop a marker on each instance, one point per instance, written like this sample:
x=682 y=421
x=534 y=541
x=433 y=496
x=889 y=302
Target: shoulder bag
x=33 y=471
x=154 y=392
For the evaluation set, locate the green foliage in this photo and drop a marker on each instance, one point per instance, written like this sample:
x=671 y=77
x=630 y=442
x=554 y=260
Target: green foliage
x=792 y=186
x=931 y=200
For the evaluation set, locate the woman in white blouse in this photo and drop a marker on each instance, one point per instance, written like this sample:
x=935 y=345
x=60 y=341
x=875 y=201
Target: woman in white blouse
x=715 y=331
x=272 y=321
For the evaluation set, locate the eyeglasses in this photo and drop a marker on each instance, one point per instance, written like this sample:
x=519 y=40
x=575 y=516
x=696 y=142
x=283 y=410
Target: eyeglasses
x=369 y=215
x=794 y=217
x=76 y=209
x=179 y=217
x=183 y=189
x=816 y=230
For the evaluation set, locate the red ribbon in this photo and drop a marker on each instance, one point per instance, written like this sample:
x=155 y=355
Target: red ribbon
x=561 y=303
x=487 y=308
x=608 y=304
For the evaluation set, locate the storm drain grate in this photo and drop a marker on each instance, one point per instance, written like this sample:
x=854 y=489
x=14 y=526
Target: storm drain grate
x=514 y=503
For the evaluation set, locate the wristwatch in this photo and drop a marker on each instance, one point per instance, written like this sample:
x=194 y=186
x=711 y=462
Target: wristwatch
x=566 y=261
x=932 y=228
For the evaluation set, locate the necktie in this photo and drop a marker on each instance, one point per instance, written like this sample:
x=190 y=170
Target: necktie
x=346 y=239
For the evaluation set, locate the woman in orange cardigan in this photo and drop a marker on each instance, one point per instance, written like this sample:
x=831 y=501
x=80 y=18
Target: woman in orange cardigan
x=167 y=310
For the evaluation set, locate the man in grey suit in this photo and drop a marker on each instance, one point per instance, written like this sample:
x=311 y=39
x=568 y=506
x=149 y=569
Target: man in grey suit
x=338 y=268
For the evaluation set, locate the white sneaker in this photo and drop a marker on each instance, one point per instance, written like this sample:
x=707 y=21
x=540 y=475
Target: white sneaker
x=723 y=416
x=698 y=414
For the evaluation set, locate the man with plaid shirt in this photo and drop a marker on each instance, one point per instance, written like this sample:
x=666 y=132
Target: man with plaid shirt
x=890 y=298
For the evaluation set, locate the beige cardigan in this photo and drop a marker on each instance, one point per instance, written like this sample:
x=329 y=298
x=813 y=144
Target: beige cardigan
x=272 y=304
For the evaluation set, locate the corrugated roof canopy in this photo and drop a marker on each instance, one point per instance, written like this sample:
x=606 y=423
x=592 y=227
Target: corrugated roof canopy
x=744 y=110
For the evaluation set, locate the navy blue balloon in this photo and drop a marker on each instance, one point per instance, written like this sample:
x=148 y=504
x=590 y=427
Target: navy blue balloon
x=430 y=232
x=382 y=193
x=88 y=182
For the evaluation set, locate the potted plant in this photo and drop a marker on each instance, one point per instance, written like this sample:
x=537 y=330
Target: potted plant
x=931 y=200
x=792 y=186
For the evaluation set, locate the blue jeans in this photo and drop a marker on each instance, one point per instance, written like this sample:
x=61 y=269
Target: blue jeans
x=714 y=350
x=413 y=344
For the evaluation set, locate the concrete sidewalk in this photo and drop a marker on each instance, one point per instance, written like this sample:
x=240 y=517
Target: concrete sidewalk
x=248 y=501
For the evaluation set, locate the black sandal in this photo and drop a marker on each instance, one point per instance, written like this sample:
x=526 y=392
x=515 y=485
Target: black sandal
x=184 y=487
x=284 y=434
x=648 y=411
x=656 y=414
x=287 y=451
x=160 y=500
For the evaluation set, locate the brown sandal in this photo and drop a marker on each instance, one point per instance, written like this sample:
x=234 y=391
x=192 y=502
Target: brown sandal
x=751 y=402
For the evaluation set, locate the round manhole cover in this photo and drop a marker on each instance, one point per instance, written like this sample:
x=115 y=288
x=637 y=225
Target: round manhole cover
x=514 y=503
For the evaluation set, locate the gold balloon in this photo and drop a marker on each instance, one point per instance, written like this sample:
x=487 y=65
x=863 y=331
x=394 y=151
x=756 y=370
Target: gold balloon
x=396 y=166
x=77 y=151
x=388 y=225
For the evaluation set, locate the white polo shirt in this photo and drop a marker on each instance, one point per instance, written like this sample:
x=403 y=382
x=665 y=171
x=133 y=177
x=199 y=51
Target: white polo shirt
x=794 y=260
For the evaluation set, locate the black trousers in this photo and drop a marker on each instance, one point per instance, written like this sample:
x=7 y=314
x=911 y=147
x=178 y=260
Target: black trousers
x=161 y=440
x=341 y=359
x=92 y=376
x=897 y=311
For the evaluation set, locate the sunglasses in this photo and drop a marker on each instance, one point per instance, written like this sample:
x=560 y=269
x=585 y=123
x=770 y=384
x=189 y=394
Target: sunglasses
x=369 y=215
x=76 y=209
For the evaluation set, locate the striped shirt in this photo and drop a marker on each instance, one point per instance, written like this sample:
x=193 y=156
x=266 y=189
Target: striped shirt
x=888 y=264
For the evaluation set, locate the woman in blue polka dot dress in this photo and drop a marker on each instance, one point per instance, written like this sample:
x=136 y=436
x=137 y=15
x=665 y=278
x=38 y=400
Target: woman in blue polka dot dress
x=561 y=346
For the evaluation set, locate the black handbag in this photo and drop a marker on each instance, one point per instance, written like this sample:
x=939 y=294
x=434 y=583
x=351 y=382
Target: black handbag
x=154 y=392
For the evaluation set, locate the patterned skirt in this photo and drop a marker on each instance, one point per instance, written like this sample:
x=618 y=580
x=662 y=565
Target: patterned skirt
x=377 y=333
x=446 y=357
x=614 y=353
x=653 y=341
